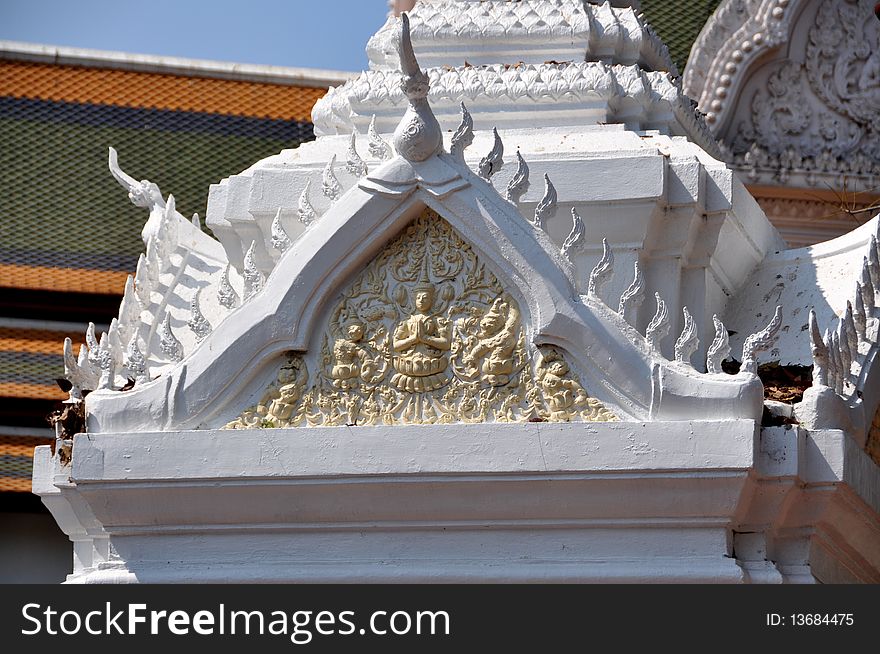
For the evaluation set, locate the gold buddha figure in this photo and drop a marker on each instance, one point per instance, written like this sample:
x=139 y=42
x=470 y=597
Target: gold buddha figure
x=421 y=344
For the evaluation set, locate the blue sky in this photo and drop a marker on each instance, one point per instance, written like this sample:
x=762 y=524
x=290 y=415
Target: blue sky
x=311 y=33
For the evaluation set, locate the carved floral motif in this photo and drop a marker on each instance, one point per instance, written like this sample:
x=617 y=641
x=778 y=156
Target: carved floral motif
x=425 y=334
x=817 y=113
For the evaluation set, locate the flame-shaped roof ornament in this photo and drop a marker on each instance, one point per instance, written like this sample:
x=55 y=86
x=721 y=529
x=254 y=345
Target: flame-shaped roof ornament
x=418 y=135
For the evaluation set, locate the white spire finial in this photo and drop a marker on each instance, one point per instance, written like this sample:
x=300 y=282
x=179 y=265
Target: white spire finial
x=418 y=135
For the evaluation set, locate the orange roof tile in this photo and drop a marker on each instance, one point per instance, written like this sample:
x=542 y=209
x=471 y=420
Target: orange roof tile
x=126 y=88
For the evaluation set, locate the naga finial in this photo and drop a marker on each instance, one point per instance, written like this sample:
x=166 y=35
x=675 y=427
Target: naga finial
x=418 y=135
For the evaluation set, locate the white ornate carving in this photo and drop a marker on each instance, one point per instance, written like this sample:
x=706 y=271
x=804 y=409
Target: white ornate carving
x=280 y=239
x=554 y=29
x=859 y=317
x=253 y=278
x=134 y=361
x=129 y=310
x=418 y=134
x=305 y=210
x=835 y=366
x=819 y=351
x=760 y=342
x=658 y=328
x=874 y=263
x=849 y=329
x=494 y=160
x=546 y=207
x=354 y=164
x=719 y=349
x=575 y=239
x=142 y=284
x=633 y=296
x=226 y=295
x=464 y=134
x=687 y=342
x=78 y=377
x=197 y=321
x=425 y=334
x=92 y=343
x=519 y=183
x=867 y=290
x=108 y=357
x=168 y=342
x=330 y=186
x=533 y=87
x=377 y=146
x=142 y=193
x=844 y=354
x=603 y=271
x=814 y=119
x=154 y=263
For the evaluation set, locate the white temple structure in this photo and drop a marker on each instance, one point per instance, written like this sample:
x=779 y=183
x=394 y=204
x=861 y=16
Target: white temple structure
x=475 y=332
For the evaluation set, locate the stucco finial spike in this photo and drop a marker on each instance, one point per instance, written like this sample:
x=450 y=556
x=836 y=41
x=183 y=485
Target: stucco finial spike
x=464 y=134
x=376 y=144
x=575 y=239
x=142 y=193
x=253 y=278
x=546 y=207
x=874 y=263
x=154 y=262
x=168 y=342
x=833 y=375
x=330 y=186
x=759 y=342
x=658 y=328
x=867 y=288
x=519 y=183
x=92 y=343
x=73 y=373
x=354 y=164
x=142 y=282
x=852 y=335
x=719 y=349
x=226 y=295
x=418 y=136
x=860 y=318
x=494 y=161
x=634 y=294
x=603 y=271
x=129 y=312
x=843 y=350
x=134 y=360
x=197 y=321
x=108 y=358
x=687 y=342
x=280 y=239
x=167 y=234
x=409 y=65
x=305 y=210
x=819 y=351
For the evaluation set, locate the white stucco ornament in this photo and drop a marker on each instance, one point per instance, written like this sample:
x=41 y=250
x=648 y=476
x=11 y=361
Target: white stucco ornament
x=429 y=319
x=418 y=135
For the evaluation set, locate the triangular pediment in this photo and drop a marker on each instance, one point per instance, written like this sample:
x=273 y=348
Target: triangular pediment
x=425 y=334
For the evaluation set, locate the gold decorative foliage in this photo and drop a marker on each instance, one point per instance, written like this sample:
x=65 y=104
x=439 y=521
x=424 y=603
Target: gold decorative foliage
x=425 y=334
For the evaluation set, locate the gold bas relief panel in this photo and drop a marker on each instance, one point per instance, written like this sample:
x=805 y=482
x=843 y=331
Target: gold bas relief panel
x=425 y=334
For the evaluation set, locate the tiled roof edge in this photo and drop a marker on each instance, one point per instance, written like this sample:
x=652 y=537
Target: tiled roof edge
x=51 y=54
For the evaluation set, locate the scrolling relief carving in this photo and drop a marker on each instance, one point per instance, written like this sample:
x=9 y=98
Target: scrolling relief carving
x=425 y=334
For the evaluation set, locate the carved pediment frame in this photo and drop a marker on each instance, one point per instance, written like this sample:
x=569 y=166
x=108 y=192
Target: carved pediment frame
x=584 y=358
